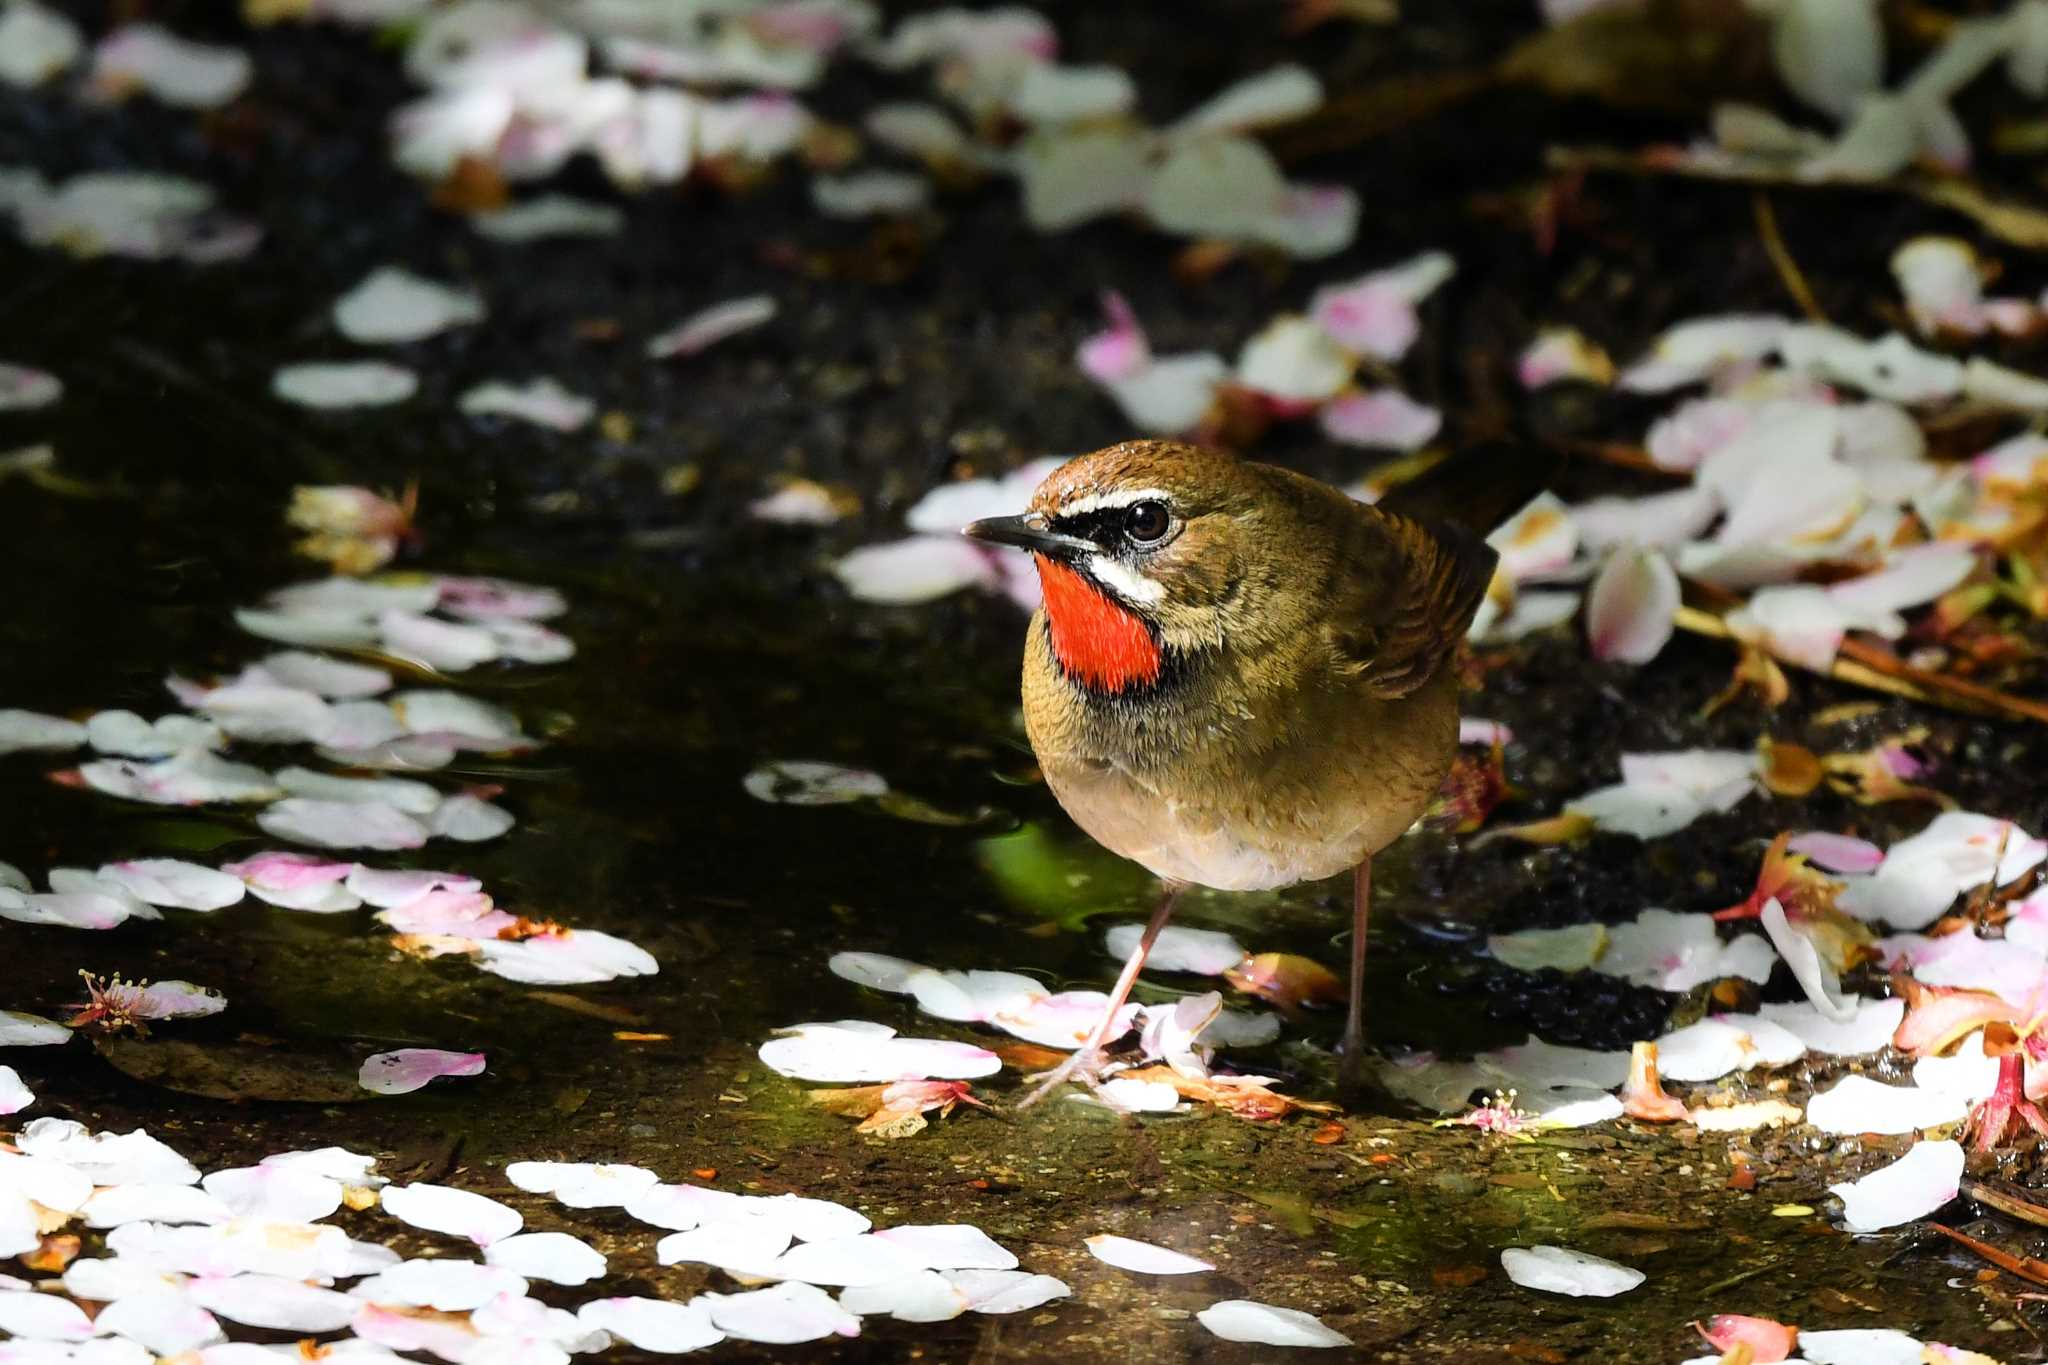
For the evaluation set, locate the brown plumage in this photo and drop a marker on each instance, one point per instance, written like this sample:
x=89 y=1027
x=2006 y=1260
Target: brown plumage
x=1240 y=676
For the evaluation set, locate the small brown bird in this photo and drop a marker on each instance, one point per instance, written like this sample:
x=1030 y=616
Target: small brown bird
x=1240 y=677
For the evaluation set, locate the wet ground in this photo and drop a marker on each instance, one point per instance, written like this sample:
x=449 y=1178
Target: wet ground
x=709 y=643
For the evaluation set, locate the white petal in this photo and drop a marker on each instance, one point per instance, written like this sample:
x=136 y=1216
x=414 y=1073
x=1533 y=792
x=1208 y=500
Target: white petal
x=449 y=1286
x=566 y=958
x=469 y=819
x=583 y=1184
x=1632 y=607
x=164 y=1320
x=334 y=678
x=925 y=1296
x=861 y=1259
x=1568 y=949
x=113 y=1205
x=1860 y=1346
x=281 y=1194
x=542 y=402
x=653 y=1324
x=1380 y=419
x=549 y=215
x=411 y=1068
x=43 y=1317
x=1209 y=952
x=395 y=887
x=14 y=1096
x=274 y=1302
x=36 y=43
x=19 y=1029
x=713 y=325
x=1830 y=52
x=342 y=824
x=1276 y=95
x=683 y=1207
x=107 y=1158
x=1647 y=812
x=1005 y=1291
x=1214 y=187
x=126 y=734
x=170 y=882
x=333 y=384
x=1869 y=1030
x=459 y=1213
x=780 y=1315
x=1822 y=986
x=437 y=644
x=869 y=194
x=1294 y=358
x=438 y=711
x=804 y=783
x=394 y=305
x=742 y=1246
x=555 y=1257
x=949 y=1246
x=1144 y=1258
x=1912 y=1187
x=1558 y=1271
x=1267 y=1324
x=918 y=569
x=878 y=970
x=185 y=74
x=1857 y=1104
x=21 y=730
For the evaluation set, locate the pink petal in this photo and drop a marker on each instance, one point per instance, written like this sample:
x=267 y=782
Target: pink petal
x=408 y=1069
x=713 y=325
x=1380 y=419
x=1473 y=730
x=1837 y=852
x=1121 y=351
x=1632 y=608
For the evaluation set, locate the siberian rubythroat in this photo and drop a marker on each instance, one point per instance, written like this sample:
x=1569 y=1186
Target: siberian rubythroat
x=1240 y=678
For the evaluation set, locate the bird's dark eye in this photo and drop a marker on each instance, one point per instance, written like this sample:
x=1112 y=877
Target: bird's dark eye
x=1146 y=522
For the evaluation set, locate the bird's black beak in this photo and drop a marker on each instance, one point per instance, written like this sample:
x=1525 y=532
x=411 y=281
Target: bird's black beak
x=1029 y=532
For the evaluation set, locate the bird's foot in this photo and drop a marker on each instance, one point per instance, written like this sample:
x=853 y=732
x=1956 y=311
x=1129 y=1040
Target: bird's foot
x=1084 y=1066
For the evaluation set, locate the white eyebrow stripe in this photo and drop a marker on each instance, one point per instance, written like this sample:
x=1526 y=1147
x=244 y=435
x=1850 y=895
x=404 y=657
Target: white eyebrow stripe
x=1127 y=582
x=1123 y=497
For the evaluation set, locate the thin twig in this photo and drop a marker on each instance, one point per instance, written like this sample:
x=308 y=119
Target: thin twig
x=1781 y=257
x=1874 y=668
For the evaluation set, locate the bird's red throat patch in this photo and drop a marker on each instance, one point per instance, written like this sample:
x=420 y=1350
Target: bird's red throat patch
x=1096 y=639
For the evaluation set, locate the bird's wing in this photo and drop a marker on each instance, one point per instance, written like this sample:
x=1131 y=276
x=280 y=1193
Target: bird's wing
x=1406 y=595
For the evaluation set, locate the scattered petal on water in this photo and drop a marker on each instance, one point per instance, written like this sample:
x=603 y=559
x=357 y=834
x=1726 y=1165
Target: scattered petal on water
x=14 y=1096
x=1912 y=1187
x=445 y=1284
x=394 y=305
x=1858 y=1104
x=1559 y=1271
x=796 y=782
x=840 y=1052
x=702 y=330
x=781 y=1315
x=654 y=1324
x=342 y=824
x=185 y=74
x=1143 y=1257
x=1268 y=1325
x=342 y=384
x=583 y=1184
x=274 y=1302
x=21 y=730
x=555 y=1257
x=542 y=402
x=411 y=1068
x=459 y=1213
x=566 y=957
x=18 y=1029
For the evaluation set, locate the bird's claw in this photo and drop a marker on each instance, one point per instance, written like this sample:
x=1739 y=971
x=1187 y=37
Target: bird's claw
x=1085 y=1066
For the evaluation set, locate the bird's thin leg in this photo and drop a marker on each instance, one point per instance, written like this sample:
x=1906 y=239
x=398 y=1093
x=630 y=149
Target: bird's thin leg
x=1085 y=1061
x=1354 y=1018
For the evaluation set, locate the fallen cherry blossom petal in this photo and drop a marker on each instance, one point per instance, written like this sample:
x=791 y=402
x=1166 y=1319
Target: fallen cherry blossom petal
x=654 y=1324
x=21 y=730
x=342 y=384
x=446 y=646
x=555 y=1257
x=913 y=570
x=566 y=957
x=949 y=1246
x=702 y=330
x=1767 y=1341
x=1380 y=419
x=444 y=1284
x=1268 y=1325
x=1178 y=948
x=14 y=1096
x=394 y=305
x=459 y=1213
x=36 y=43
x=797 y=782
x=18 y=1029
x=739 y=1246
x=1858 y=1104
x=185 y=74
x=1912 y=1187
x=43 y=1317
x=1556 y=1270
x=1837 y=852
x=342 y=824
x=780 y=1315
x=275 y=1194
x=1632 y=606
x=1144 y=1258
x=468 y=819
x=411 y=1068
x=583 y=1184
x=853 y=1052
x=391 y=888
x=549 y=215
x=542 y=402
x=133 y=1158
x=113 y=1205
x=273 y=1302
